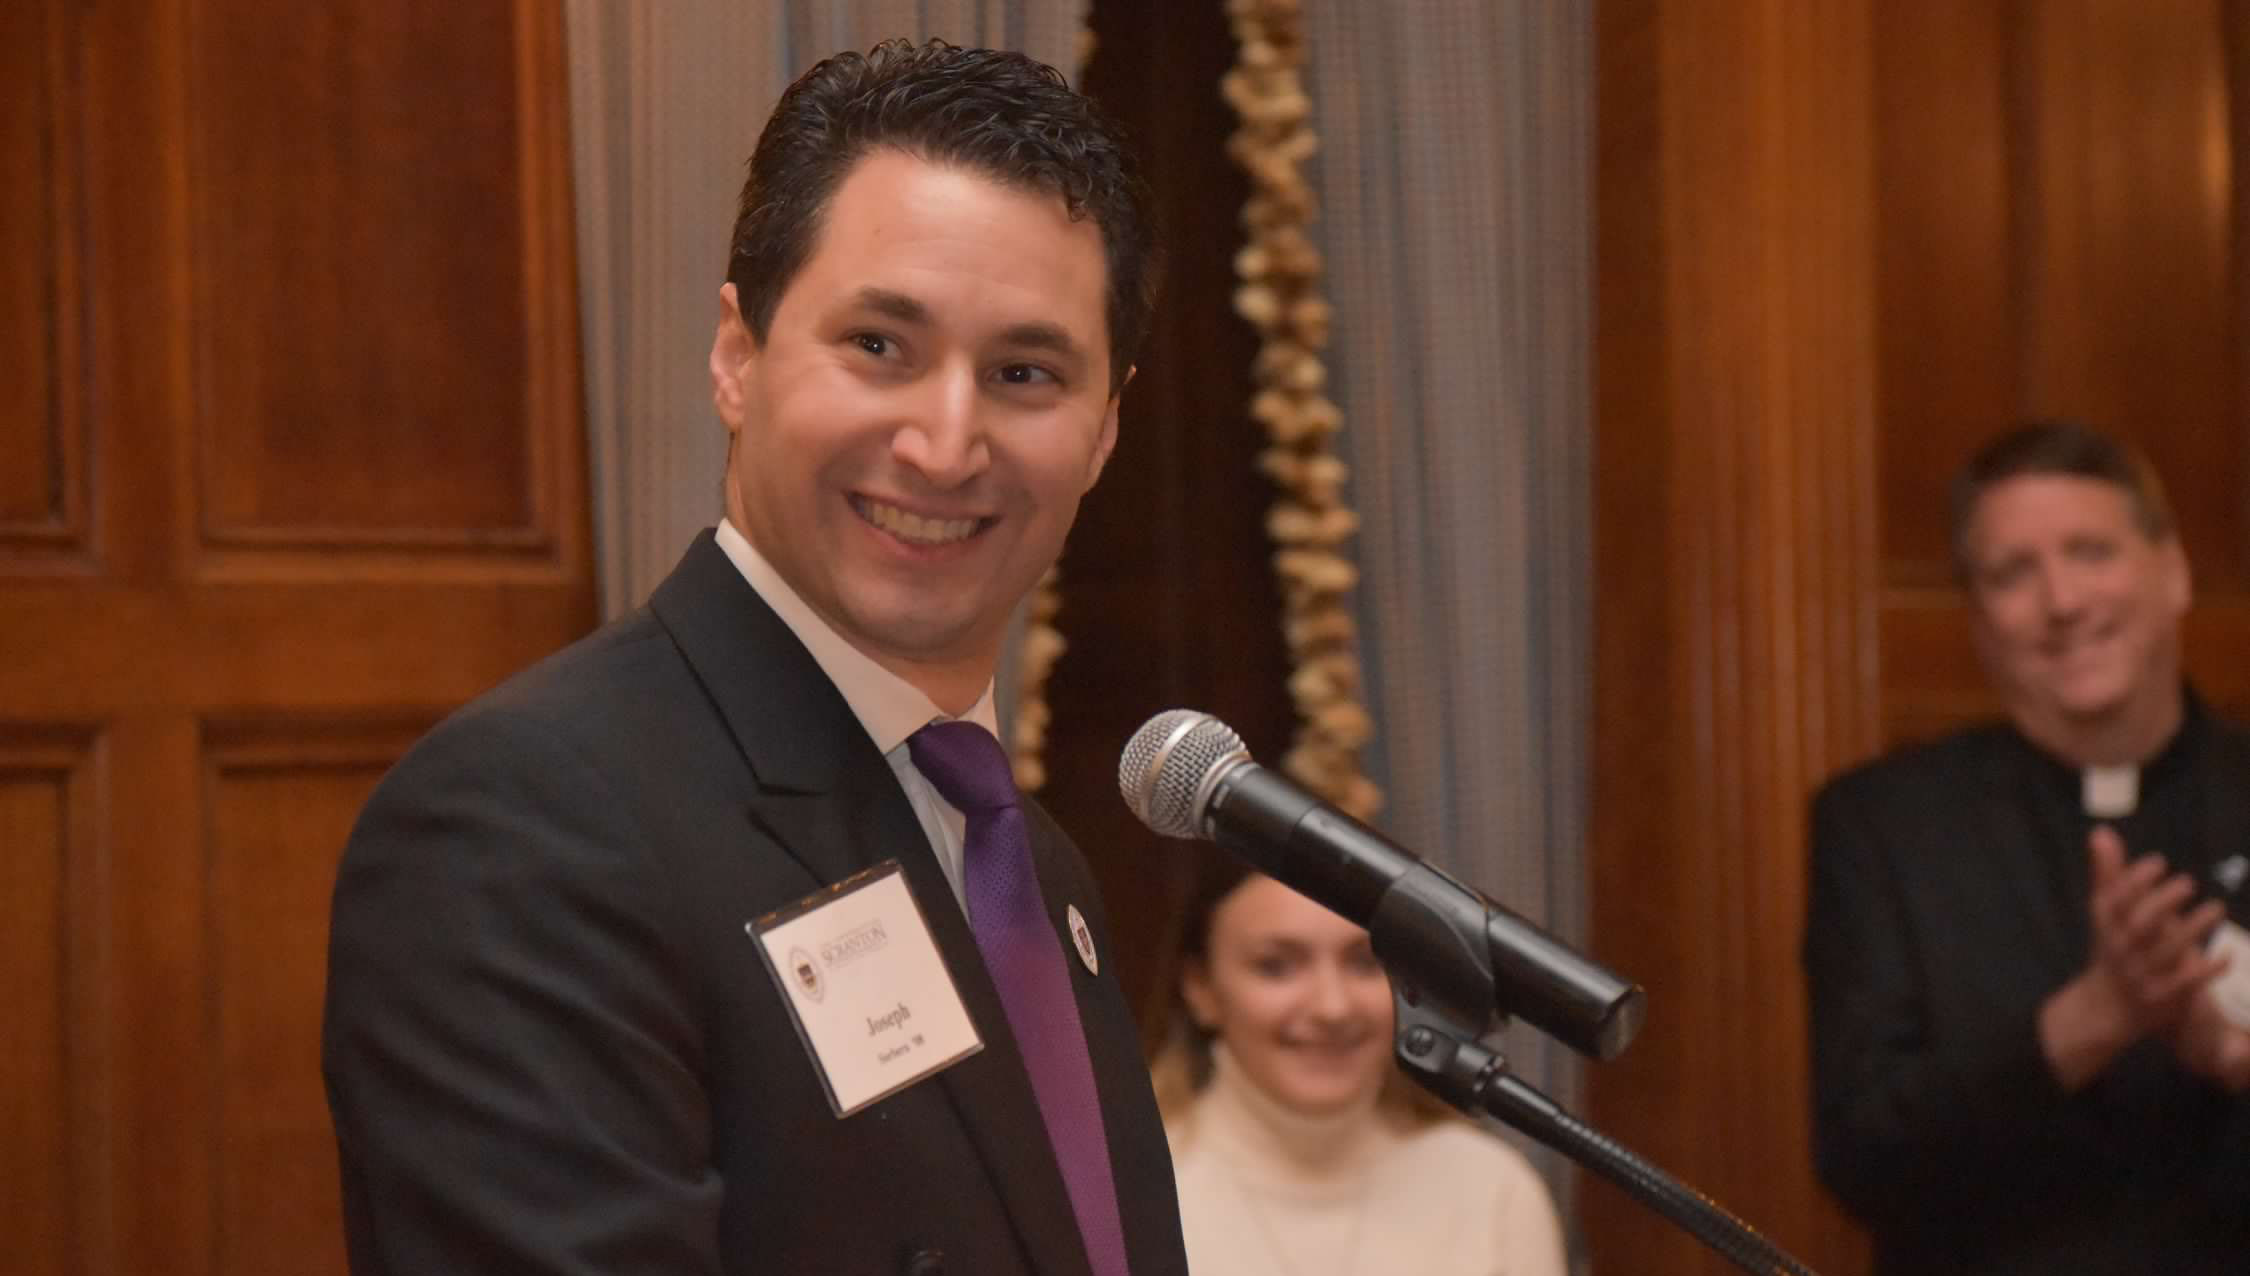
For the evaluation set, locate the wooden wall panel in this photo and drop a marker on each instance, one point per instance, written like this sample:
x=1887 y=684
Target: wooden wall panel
x=1945 y=271
x=379 y=390
x=329 y=471
x=281 y=799
x=2054 y=226
x=1735 y=552
x=27 y=400
x=2125 y=237
x=42 y=503
x=49 y=1196
x=35 y=1180
x=2109 y=286
x=2071 y=249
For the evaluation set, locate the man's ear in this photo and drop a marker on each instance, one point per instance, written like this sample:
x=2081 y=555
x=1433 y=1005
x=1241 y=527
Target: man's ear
x=1107 y=441
x=2179 y=578
x=732 y=349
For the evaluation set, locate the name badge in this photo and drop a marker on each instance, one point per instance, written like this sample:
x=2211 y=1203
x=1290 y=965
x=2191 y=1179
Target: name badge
x=870 y=994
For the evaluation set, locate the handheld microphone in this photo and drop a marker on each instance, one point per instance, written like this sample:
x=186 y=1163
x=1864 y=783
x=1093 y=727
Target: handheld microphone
x=1186 y=774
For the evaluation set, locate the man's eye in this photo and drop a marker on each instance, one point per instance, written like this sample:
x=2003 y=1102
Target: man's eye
x=873 y=343
x=2005 y=575
x=1026 y=374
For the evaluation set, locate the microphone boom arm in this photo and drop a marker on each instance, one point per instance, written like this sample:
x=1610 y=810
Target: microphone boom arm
x=1450 y=1061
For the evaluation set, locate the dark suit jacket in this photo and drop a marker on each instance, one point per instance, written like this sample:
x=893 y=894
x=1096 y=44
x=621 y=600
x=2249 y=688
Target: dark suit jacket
x=551 y=1047
x=1935 y=930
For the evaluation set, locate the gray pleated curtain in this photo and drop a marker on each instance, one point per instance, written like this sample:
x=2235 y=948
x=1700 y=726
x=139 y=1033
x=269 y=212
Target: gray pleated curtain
x=1454 y=175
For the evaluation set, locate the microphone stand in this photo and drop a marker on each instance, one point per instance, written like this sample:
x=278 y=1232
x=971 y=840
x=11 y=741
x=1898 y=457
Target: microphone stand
x=1449 y=1061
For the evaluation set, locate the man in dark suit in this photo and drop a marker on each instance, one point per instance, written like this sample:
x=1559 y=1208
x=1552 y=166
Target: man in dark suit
x=2022 y=1056
x=561 y=1035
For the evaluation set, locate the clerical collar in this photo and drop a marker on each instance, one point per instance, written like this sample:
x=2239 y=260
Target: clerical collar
x=2113 y=792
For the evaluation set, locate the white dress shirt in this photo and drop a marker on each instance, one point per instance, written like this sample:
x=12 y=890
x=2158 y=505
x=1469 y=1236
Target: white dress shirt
x=888 y=706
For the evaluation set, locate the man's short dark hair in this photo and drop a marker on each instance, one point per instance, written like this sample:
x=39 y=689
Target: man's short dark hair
x=998 y=114
x=2058 y=448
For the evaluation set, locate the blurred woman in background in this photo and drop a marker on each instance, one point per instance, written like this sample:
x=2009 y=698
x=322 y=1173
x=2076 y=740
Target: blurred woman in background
x=1300 y=1148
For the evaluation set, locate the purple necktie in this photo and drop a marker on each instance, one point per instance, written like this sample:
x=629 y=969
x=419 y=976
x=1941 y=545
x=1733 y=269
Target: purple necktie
x=1009 y=918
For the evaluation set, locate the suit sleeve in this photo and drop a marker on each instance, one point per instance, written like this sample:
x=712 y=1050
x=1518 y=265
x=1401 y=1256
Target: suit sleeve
x=1910 y=1124
x=510 y=1044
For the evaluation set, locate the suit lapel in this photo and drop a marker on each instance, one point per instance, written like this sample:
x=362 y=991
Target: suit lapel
x=2226 y=808
x=791 y=724
x=2018 y=854
x=828 y=798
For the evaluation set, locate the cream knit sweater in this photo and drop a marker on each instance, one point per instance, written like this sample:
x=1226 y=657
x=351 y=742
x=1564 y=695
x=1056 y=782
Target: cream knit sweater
x=1265 y=1191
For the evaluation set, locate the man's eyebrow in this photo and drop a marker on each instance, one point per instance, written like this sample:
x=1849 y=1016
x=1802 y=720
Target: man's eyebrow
x=1034 y=335
x=892 y=305
x=1042 y=336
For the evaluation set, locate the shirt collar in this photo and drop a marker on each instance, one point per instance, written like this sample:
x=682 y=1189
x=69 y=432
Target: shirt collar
x=889 y=707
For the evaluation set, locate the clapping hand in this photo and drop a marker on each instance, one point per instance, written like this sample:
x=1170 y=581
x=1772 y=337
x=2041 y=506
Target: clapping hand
x=2149 y=948
x=2147 y=971
x=2148 y=944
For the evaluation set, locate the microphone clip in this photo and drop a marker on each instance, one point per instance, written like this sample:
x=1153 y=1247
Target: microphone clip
x=1433 y=938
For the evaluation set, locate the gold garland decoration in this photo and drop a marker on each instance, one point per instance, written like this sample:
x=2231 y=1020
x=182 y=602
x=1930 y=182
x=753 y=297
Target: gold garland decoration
x=1042 y=642
x=1042 y=645
x=1281 y=297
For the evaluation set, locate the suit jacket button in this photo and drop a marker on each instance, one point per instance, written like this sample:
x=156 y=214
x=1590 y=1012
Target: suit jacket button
x=925 y=1262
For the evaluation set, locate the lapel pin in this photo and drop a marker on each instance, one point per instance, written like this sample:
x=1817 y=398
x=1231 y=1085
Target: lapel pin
x=2230 y=873
x=1084 y=939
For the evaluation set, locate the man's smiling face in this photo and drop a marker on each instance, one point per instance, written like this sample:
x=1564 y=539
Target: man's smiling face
x=932 y=399
x=2077 y=608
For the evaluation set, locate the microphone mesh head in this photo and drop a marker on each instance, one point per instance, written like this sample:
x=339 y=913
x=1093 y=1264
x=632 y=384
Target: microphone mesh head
x=1163 y=771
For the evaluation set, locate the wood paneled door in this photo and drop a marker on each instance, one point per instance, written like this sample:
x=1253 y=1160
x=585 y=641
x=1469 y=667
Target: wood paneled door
x=290 y=464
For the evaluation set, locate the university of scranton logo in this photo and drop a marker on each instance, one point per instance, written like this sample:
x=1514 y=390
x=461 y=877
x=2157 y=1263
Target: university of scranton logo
x=808 y=975
x=853 y=944
x=1082 y=935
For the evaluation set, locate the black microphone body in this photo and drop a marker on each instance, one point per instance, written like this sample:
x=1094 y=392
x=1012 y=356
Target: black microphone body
x=1471 y=955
